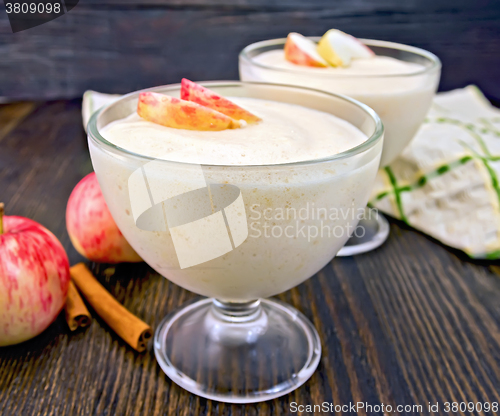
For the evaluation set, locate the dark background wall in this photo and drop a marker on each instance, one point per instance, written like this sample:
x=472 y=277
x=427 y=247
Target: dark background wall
x=122 y=45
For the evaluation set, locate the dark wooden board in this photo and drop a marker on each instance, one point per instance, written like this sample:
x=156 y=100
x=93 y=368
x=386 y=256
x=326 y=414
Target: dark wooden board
x=123 y=45
x=410 y=323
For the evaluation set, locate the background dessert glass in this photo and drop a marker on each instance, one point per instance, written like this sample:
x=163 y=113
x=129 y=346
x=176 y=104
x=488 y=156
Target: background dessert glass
x=236 y=346
x=401 y=101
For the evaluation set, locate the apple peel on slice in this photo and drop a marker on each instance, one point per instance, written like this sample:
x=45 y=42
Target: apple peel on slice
x=190 y=91
x=302 y=51
x=339 y=48
x=181 y=114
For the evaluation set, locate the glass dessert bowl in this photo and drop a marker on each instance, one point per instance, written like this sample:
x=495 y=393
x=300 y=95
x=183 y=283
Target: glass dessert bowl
x=401 y=94
x=204 y=228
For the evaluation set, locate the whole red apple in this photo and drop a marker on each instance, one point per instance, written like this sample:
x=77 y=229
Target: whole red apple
x=34 y=278
x=91 y=227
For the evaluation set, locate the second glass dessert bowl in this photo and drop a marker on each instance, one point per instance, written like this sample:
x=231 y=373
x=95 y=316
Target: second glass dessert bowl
x=400 y=99
x=237 y=346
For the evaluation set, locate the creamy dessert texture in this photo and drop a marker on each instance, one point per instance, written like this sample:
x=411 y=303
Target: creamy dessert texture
x=376 y=65
x=281 y=137
x=399 y=91
x=298 y=216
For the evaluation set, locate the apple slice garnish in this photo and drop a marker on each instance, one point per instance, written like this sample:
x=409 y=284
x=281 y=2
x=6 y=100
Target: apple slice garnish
x=339 y=48
x=190 y=91
x=181 y=114
x=302 y=51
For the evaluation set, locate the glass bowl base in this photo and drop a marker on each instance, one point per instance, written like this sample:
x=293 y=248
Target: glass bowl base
x=248 y=354
x=372 y=231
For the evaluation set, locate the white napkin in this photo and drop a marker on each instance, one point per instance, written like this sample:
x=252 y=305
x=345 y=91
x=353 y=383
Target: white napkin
x=92 y=101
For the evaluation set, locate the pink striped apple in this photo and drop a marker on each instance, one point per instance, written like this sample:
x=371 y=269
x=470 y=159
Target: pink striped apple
x=34 y=278
x=91 y=227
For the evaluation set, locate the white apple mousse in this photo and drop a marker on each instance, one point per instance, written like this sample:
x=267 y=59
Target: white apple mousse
x=297 y=215
x=400 y=91
x=280 y=137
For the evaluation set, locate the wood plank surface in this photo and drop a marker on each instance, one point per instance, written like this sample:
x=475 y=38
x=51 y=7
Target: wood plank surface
x=410 y=323
x=117 y=46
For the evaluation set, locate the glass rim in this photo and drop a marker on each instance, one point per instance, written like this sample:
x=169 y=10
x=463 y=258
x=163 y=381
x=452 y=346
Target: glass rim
x=435 y=61
x=95 y=136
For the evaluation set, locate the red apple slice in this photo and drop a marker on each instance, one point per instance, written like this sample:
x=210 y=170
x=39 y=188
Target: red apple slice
x=180 y=114
x=193 y=92
x=302 y=51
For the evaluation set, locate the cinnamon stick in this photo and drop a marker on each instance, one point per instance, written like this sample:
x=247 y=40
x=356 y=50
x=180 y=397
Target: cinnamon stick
x=2 y=210
x=131 y=329
x=77 y=314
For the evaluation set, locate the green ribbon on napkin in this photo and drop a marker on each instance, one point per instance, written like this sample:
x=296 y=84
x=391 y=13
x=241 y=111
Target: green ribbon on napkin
x=446 y=182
